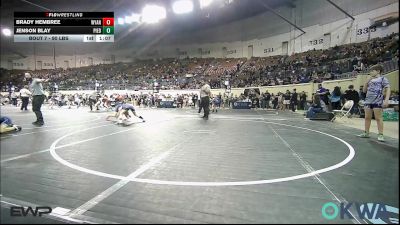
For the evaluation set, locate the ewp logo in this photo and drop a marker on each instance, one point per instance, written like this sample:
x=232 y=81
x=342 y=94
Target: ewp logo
x=374 y=212
x=21 y=211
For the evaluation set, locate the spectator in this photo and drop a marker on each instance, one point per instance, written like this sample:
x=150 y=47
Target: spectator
x=25 y=93
x=323 y=93
x=303 y=100
x=280 y=101
x=286 y=100
x=275 y=100
x=194 y=100
x=180 y=101
x=14 y=98
x=335 y=98
x=328 y=76
x=353 y=95
x=293 y=100
x=315 y=107
x=267 y=99
x=361 y=93
x=263 y=101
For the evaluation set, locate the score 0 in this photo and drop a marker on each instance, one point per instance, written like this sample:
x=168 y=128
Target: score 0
x=108 y=25
x=108 y=22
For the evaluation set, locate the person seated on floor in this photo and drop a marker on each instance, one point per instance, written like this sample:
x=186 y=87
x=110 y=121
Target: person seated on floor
x=6 y=125
x=316 y=107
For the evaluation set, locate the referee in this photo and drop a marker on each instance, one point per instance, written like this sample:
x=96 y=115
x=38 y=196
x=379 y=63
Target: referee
x=37 y=97
x=205 y=93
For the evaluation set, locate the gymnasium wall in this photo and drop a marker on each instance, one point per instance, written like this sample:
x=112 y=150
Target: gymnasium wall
x=266 y=32
x=308 y=88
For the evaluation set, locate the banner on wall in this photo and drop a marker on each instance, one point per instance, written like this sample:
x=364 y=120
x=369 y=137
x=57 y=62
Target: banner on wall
x=166 y=104
x=242 y=105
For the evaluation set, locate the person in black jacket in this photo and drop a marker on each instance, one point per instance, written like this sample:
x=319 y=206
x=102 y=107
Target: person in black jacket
x=361 y=94
x=352 y=94
x=274 y=100
x=293 y=100
x=194 y=100
x=267 y=99
x=303 y=100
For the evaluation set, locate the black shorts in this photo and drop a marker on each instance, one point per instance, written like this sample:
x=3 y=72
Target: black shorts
x=373 y=106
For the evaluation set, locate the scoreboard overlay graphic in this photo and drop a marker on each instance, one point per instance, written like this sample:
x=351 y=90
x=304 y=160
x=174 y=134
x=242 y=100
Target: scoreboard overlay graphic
x=63 y=26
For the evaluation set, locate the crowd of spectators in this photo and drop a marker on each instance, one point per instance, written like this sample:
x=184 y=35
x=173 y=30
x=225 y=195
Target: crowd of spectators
x=318 y=65
x=311 y=66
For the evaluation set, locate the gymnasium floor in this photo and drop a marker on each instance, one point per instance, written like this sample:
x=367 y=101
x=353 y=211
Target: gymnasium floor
x=240 y=166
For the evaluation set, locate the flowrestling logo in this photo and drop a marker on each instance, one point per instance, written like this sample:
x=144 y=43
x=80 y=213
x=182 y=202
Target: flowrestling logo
x=376 y=213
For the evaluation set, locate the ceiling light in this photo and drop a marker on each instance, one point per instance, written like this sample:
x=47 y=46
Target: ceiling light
x=153 y=14
x=136 y=17
x=182 y=6
x=205 y=3
x=121 y=21
x=128 y=19
x=6 y=32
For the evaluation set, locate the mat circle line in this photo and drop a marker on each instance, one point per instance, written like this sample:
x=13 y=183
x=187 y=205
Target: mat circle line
x=208 y=184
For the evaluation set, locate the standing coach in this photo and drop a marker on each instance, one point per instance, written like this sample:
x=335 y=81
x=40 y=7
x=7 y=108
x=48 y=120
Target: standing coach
x=37 y=97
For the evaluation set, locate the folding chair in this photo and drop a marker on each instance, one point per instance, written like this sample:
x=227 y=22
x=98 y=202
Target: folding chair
x=359 y=109
x=344 y=112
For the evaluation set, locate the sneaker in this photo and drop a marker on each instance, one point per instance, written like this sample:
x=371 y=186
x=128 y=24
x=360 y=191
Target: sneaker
x=38 y=123
x=381 y=138
x=364 y=135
